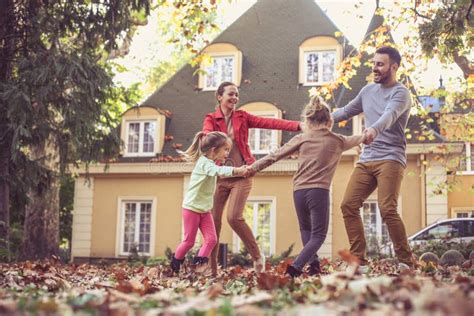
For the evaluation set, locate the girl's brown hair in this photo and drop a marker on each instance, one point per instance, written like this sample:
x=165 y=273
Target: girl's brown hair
x=203 y=143
x=316 y=112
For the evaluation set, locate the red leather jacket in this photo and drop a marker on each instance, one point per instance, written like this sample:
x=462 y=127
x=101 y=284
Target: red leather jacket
x=241 y=122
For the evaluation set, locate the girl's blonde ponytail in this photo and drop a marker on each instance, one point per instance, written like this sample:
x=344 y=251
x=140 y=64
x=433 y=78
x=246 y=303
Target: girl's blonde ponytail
x=194 y=151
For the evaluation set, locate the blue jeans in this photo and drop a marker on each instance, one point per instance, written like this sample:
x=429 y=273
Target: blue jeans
x=312 y=209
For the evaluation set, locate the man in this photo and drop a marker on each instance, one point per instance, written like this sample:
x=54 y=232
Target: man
x=386 y=107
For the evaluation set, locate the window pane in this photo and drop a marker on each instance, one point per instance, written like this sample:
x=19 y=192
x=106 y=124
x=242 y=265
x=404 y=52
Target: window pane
x=129 y=227
x=211 y=74
x=263 y=229
x=145 y=224
x=375 y=230
x=468 y=229
x=227 y=68
x=447 y=230
x=329 y=65
x=133 y=137
x=312 y=71
x=252 y=140
x=221 y=69
x=149 y=137
x=260 y=224
x=262 y=141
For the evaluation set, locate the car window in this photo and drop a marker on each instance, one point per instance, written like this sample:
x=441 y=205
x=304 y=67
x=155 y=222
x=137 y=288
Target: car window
x=441 y=231
x=467 y=228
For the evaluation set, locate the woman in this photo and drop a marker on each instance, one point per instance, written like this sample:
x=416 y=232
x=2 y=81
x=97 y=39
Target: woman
x=236 y=124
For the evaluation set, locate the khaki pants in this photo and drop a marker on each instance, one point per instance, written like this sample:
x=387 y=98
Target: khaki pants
x=236 y=192
x=387 y=175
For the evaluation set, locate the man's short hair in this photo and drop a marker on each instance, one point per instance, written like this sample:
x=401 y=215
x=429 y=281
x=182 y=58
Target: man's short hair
x=392 y=53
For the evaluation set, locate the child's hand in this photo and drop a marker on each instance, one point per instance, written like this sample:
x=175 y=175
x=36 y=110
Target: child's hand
x=240 y=171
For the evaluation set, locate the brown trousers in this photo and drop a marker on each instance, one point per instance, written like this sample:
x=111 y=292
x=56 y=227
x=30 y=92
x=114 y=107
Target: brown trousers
x=236 y=192
x=387 y=175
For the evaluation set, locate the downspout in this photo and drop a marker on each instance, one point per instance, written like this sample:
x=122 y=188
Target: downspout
x=423 y=189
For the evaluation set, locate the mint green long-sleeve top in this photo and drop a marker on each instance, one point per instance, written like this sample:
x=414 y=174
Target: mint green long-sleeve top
x=200 y=192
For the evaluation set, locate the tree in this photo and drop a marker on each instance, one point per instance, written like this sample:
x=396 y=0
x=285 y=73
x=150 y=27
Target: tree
x=444 y=30
x=58 y=103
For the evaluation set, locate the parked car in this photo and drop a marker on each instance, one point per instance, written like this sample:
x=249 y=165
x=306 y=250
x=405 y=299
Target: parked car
x=454 y=229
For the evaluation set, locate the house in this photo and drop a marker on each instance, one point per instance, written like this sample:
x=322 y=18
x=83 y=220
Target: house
x=275 y=52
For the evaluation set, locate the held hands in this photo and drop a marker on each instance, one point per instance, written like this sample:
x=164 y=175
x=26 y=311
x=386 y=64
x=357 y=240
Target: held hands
x=244 y=171
x=369 y=135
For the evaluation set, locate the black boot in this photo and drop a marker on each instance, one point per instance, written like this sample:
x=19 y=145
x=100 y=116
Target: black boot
x=200 y=260
x=292 y=271
x=314 y=268
x=176 y=264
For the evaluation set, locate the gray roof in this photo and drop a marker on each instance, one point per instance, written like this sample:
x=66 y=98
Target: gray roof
x=268 y=35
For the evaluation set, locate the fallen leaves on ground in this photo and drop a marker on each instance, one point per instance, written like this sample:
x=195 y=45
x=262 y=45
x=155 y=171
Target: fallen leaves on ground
x=49 y=287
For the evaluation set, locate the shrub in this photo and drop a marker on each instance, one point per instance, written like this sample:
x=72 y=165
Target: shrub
x=452 y=258
x=429 y=257
x=439 y=247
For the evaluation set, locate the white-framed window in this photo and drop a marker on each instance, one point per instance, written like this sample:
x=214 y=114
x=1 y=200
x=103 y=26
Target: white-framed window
x=375 y=230
x=263 y=141
x=220 y=68
x=140 y=138
x=463 y=212
x=319 y=66
x=358 y=124
x=136 y=226
x=467 y=159
x=259 y=214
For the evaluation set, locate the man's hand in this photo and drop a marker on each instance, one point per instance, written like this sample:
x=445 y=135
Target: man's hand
x=370 y=133
x=250 y=172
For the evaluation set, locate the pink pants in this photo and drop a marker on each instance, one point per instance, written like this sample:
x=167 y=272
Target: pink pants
x=192 y=221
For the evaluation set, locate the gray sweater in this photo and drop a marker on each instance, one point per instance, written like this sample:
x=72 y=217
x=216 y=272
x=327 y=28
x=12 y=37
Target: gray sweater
x=387 y=111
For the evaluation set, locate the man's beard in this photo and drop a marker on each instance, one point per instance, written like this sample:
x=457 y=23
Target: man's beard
x=383 y=77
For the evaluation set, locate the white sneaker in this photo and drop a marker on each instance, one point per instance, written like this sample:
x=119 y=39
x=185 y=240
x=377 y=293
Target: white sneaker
x=259 y=265
x=363 y=269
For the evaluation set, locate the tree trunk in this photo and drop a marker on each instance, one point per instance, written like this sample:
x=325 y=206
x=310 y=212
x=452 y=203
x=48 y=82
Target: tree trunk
x=41 y=227
x=7 y=52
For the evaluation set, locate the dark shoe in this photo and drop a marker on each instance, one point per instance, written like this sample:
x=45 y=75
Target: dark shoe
x=201 y=266
x=176 y=264
x=314 y=268
x=200 y=260
x=292 y=271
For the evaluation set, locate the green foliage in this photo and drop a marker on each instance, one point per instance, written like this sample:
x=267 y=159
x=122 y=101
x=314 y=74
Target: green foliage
x=285 y=254
x=441 y=246
x=154 y=261
x=242 y=258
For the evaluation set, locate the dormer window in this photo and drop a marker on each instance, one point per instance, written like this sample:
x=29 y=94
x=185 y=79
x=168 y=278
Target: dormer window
x=221 y=62
x=221 y=68
x=318 y=60
x=140 y=138
x=142 y=132
x=320 y=66
x=263 y=141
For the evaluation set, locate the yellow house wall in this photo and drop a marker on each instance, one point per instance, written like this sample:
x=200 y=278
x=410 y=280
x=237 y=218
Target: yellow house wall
x=168 y=192
x=286 y=224
x=462 y=195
